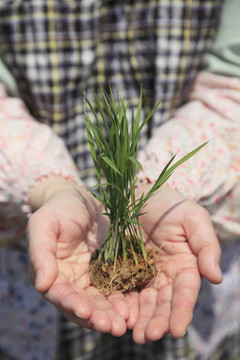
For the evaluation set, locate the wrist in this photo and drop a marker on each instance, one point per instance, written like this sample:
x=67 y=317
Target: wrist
x=145 y=187
x=46 y=188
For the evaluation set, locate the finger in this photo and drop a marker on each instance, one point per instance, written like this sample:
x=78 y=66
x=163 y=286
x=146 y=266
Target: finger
x=158 y=326
x=119 y=304
x=42 y=254
x=65 y=298
x=147 y=306
x=92 y=313
x=209 y=263
x=80 y=322
x=104 y=317
x=204 y=244
x=102 y=321
x=132 y=298
x=185 y=293
x=118 y=324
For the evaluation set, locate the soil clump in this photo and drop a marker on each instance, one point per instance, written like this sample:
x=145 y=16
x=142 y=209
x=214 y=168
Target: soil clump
x=126 y=275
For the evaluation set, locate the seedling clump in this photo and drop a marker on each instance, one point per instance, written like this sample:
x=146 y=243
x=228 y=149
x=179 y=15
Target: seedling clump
x=122 y=262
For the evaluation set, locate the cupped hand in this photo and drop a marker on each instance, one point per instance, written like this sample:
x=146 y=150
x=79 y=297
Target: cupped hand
x=62 y=235
x=65 y=231
x=187 y=248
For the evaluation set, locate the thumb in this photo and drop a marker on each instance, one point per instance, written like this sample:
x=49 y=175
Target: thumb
x=42 y=239
x=204 y=244
x=209 y=263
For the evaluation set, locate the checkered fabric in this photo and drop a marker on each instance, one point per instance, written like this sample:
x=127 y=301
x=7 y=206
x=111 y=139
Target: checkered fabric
x=57 y=48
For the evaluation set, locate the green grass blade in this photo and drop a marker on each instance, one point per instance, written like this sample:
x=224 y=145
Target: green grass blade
x=108 y=104
x=134 y=222
x=104 y=185
x=147 y=118
x=91 y=108
x=92 y=150
x=139 y=110
x=164 y=176
x=135 y=162
x=110 y=163
x=99 y=198
x=100 y=109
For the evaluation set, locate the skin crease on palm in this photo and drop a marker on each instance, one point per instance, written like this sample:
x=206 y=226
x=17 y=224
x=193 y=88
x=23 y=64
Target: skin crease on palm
x=64 y=232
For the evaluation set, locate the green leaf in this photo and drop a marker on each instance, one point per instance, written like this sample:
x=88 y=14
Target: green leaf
x=107 y=102
x=166 y=173
x=100 y=138
x=136 y=162
x=162 y=176
x=91 y=108
x=185 y=158
x=98 y=198
x=116 y=140
x=101 y=111
x=134 y=222
x=139 y=110
x=110 y=163
x=104 y=185
x=92 y=149
x=147 y=118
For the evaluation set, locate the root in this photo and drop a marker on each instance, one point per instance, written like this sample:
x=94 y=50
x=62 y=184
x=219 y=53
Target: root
x=126 y=275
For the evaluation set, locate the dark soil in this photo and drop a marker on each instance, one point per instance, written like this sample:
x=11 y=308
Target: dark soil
x=126 y=275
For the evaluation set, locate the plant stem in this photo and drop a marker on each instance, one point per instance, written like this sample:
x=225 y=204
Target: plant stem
x=114 y=151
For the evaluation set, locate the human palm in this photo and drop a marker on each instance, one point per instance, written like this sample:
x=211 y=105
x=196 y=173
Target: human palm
x=186 y=248
x=60 y=253
x=61 y=249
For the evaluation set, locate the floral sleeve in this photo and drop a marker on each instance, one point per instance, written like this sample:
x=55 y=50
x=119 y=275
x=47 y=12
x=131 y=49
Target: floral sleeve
x=29 y=151
x=212 y=176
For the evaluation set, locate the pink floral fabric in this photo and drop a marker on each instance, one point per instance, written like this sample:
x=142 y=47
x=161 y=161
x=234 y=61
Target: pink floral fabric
x=212 y=176
x=29 y=151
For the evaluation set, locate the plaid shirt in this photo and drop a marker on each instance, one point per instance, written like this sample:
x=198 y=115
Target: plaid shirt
x=56 y=49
